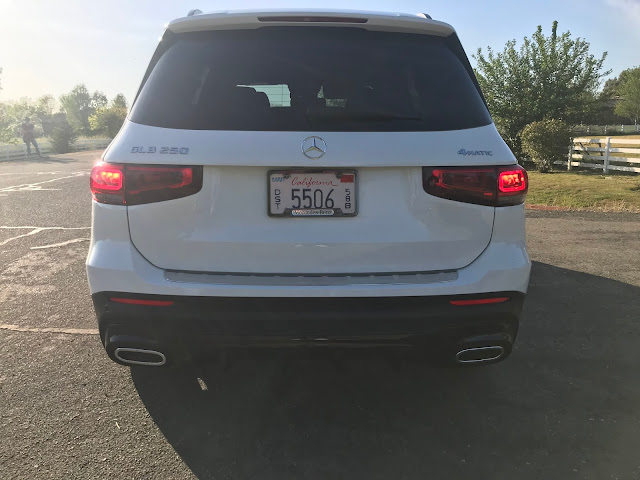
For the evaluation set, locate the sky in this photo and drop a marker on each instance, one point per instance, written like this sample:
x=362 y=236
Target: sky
x=49 y=46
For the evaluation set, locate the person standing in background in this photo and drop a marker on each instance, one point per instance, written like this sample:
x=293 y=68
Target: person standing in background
x=29 y=136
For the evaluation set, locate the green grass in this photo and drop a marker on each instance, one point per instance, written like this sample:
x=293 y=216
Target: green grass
x=585 y=191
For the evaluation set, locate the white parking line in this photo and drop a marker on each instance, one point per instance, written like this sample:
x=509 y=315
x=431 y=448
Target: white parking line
x=62 y=244
x=35 y=230
x=68 y=331
x=6 y=227
x=36 y=186
x=31 y=173
x=32 y=232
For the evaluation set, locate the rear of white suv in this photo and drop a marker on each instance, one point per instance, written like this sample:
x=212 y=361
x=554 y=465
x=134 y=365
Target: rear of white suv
x=308 y=178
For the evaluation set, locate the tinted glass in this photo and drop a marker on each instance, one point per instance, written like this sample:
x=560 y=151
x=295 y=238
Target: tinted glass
x=314 y=78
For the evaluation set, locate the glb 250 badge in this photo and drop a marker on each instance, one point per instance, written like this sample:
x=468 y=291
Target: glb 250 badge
x=161 y=150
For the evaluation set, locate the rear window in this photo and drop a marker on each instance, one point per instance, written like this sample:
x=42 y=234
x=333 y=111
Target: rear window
x=310 y=78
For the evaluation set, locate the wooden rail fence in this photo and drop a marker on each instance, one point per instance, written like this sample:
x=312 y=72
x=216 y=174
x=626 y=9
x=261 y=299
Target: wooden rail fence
x=604 y=154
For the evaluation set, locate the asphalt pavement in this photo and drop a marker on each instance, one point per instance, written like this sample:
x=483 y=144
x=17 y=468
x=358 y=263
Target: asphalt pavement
x=565 y=405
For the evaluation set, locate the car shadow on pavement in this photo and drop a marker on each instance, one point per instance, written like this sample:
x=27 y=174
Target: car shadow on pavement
x=564 y=405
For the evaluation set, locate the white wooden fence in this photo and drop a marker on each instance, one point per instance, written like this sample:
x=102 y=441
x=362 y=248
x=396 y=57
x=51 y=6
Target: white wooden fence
x=597 y=153
x=18 y=151
x=587 y=130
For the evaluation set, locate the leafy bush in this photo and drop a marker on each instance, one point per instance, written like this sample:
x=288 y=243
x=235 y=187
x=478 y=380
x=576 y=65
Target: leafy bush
x=545 y=142
x=63 y=135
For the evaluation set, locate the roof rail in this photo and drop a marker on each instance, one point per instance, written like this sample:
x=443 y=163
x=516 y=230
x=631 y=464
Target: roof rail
x=193 y=12
x=426 y=15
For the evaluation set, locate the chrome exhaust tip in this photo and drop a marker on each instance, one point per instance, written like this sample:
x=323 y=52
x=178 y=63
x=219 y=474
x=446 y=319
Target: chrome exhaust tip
x=480 y=354
x=140 y=356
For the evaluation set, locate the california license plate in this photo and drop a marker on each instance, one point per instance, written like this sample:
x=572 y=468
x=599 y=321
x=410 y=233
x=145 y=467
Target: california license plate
x=326 y=193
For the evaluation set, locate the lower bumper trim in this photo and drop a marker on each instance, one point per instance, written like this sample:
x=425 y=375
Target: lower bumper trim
x=266 y=321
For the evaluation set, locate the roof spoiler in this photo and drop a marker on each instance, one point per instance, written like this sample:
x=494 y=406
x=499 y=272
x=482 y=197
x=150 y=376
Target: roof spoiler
x=420 y=23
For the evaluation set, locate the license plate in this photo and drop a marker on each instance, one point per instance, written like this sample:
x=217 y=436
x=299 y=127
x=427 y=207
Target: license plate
x=326 y=193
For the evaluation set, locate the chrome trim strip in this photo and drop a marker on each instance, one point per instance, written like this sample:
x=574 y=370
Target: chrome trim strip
x=310 y=280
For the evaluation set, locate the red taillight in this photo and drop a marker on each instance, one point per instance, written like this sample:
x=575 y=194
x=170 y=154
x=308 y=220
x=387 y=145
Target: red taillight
x=479 y=301
x=139 y=301
x=511 y=181
x=108 y=179
x=138 y=184
x=470 y=185
x=513 y=184
x=492 y=186
x=154 y=183
x=107 y=183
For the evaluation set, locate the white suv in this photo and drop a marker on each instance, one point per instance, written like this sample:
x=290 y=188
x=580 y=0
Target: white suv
x=308 y=178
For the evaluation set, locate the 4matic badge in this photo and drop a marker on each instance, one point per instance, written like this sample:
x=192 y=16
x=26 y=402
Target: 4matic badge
x=161 y=150
x=463 y=151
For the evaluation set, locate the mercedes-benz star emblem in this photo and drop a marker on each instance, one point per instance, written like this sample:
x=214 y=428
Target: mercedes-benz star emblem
x=314 y=147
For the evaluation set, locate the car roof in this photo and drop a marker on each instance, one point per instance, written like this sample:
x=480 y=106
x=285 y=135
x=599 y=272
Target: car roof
x=249 y=19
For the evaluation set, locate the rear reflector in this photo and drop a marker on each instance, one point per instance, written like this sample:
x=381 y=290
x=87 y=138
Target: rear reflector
x=347 y=178
x=139 y=184
x=479 y=301
x=312 y=19
x=492 y=186
x=138 y=301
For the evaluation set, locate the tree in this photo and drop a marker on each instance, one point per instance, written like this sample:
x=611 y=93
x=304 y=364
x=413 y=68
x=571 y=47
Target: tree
x=546 y=77
x=629 y=91
x=44 y=107
x=611 y=88
x=12 y=115
x=98 y=100
x=79 y=105
x=108 y=120
x=7 y=130
x=120 y=101
x=63 y=134
x=608 y=100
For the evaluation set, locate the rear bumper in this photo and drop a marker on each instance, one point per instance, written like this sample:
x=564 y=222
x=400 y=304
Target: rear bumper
x=349 y=309
x=190 y=326
x=114 y=264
